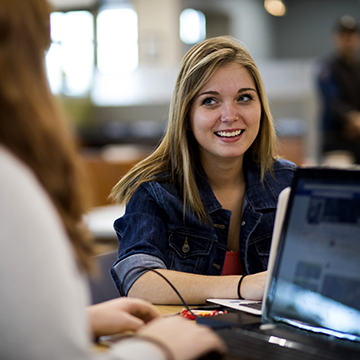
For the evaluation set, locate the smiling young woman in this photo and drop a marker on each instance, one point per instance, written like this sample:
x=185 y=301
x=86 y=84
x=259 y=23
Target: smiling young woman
x=203 y=204
x=225 y=115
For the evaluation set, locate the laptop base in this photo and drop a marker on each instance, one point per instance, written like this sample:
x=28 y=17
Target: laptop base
x=246 y=341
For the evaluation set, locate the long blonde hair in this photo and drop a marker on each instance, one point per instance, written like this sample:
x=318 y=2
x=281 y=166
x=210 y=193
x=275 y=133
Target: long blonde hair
x=177 y=152
x=31 y=125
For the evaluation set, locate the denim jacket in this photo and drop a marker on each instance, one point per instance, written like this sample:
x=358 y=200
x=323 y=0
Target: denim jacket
x=154 y=231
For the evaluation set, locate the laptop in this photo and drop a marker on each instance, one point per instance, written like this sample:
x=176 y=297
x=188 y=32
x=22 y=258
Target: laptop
x=252 y=306
x=312 y=306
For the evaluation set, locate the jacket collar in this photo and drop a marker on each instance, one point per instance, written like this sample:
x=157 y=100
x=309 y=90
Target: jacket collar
x=258 y=195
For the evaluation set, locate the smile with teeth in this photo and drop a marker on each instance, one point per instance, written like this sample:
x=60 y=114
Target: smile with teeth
x=229 y=134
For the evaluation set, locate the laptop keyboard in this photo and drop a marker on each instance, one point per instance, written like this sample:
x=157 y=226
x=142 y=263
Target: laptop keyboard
x=256 y=305
x=246 y=345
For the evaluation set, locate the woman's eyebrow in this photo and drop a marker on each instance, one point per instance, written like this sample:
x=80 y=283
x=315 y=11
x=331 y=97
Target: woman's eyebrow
x=212 y=92
x=246 y=89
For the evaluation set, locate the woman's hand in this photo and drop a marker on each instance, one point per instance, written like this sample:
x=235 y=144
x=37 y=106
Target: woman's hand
x=182 y=337
x=252 y=287
x=121 y=314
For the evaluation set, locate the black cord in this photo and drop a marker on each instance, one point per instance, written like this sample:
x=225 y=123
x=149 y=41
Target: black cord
x=168 y=281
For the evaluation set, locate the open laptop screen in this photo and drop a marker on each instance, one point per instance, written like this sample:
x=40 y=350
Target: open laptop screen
x=316 y=279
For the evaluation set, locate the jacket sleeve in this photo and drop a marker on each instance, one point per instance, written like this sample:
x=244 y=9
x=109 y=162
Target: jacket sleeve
x=142 y=239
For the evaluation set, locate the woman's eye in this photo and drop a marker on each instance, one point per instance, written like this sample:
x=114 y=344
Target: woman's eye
x=245 y=97
x=208 y=101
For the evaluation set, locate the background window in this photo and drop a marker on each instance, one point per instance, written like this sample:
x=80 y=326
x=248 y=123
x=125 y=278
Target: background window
x=117 y=37
x=70 y=59
x=192 y=26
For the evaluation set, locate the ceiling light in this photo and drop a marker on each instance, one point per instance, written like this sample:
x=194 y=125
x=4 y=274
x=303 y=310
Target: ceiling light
x=275 y=7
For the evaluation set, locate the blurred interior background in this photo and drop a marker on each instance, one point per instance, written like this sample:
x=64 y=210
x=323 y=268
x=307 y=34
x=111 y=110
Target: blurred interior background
x=112 y=65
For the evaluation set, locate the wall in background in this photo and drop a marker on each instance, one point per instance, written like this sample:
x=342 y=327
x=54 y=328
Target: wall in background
x=286 y=50
x=305 y=30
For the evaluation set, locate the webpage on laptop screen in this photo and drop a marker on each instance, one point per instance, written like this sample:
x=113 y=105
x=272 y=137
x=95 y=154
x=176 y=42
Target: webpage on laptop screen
x=318 y=280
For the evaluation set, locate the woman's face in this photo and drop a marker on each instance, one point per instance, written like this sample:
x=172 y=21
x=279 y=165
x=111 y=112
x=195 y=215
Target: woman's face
x=225 y=114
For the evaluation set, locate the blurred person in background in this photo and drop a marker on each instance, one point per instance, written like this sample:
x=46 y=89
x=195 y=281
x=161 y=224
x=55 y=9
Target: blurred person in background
x=46 y=253
x=339 y=86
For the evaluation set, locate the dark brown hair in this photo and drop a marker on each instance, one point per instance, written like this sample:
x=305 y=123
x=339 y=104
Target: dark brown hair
x=31 y=125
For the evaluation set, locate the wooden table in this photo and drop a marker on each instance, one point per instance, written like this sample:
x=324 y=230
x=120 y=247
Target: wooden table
x=168 y=310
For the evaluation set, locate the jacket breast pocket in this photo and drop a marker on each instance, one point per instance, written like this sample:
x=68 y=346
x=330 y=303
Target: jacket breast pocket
x=262 y=244
x=189 y=253
x=261 y=236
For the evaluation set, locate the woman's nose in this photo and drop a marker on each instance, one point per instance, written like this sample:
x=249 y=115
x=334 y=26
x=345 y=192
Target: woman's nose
x=229 y=113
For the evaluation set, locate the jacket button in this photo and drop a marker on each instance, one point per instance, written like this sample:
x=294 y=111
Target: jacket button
x=185 y=248
x=243 y=223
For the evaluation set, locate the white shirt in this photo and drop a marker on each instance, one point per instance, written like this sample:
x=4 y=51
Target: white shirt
x=43 y=294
